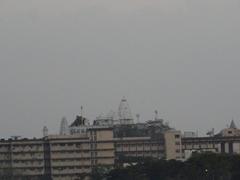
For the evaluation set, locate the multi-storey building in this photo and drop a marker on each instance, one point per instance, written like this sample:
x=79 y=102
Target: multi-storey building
x=75 y=156
x=81 y=148
x=25 y=156
x=227 y=141
x=63 y=157
x=133 y=148
x=58 y=157
x=167 y=146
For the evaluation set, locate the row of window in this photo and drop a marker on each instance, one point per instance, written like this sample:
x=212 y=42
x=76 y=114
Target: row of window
x=77 y=160
x=200 y=146
x=69 y=144
x=70 y=152
x=22 y=161
x=145 y=144
x=139 y=145
x=20 y=145
x=70 y=167
x=145 y=152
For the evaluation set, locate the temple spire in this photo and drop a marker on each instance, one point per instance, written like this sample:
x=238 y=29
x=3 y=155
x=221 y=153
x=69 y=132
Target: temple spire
x=124 y=112
x=233 y=125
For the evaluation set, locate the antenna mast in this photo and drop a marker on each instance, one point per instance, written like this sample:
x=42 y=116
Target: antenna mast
x=156 y=115
x=138 y=117
x=82 y=111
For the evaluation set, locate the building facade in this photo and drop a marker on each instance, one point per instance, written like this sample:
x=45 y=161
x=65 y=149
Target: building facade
x=58 y=157
x=75 y=156
x=25 y=156
x=227 y=141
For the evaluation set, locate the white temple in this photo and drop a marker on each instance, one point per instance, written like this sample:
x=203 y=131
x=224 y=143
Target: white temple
x=81 y=124
x=64 y=129
x=123 y=116
x=124 y=112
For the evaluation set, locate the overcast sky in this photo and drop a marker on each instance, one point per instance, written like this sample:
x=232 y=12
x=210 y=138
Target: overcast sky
x=180 y=57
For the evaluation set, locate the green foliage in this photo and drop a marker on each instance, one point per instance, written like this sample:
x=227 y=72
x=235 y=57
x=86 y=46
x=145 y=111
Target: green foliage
x=206 y=166
x=99 y=173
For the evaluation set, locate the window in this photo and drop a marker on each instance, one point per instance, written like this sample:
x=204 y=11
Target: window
x=177 y=150
x=177 y=143
x=177 y=136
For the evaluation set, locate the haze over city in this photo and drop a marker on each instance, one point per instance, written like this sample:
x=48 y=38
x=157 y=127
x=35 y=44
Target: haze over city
x=180 y=57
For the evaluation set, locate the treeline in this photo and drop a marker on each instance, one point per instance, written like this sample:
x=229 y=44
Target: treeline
x=207 y=166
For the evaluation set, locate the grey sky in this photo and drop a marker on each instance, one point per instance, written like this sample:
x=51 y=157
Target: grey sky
x=180 y=57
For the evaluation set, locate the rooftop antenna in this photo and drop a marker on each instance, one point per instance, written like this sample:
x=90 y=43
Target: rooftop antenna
x=156 y=114
x=82 y=111
x=138 y=117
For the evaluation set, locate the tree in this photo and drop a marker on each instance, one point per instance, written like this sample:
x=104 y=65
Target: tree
x=206 y=166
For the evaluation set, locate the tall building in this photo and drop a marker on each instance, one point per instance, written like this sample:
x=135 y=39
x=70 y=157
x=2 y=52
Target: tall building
x=57 y=157
x=22 y=158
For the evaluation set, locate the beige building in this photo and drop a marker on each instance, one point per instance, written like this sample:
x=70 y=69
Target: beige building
x=25 y=156
x=64 y=157
x=227 y=141
x=166 y=146
x=173 y=145
x=58 y=157
x=75 y=156
x=138 y=147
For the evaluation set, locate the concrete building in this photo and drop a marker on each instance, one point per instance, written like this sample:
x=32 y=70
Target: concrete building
x=133 y=148
x=60 y=157
x=110 y=141
x=73 y=156
x=63 y=157
x=167 y=146
x=173 y=145
x=227 y=141
x=25 y=156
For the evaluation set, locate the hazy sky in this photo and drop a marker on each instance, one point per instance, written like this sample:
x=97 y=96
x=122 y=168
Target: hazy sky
x=180 y=57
